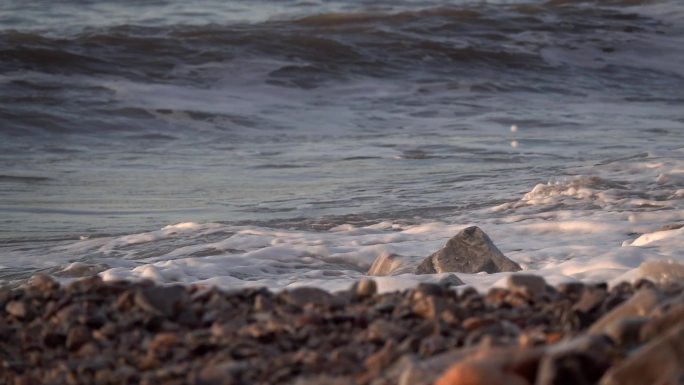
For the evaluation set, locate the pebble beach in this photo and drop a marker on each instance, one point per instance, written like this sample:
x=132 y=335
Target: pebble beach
x=96 y=332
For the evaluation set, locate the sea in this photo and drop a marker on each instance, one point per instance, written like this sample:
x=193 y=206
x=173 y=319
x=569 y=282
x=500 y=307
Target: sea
x=284 y=143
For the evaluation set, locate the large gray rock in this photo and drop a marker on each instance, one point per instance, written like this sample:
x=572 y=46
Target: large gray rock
x=470 y=251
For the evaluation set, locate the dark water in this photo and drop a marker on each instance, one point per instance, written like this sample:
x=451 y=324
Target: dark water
x=121 y=117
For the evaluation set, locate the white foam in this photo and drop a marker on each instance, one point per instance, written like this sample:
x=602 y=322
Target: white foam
x=599 y=226
x=660 y=237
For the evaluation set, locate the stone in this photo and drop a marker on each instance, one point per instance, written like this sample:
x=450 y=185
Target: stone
x=625 y=332
x=486 y=365
x=18 y=309
x=77 y=336
x=103 y=376
x=527 y=284
x=123 y=374
x=643 y=283
x=429 y=369
x=5 y=295
x=365 y=287
x=661 y=325
x=389 y=264
x=86 y=334
x=473 y=323
x=496 y=296
x=328 y=380
x=591 y=299
x=89 y=349
x=263 y=303
x=160 y=300
x=451 y=280
x=612 y=301
x=302 y=296
x=85 y=285
x=79 y=270
x=640 y=304
x=661 y=361
x=219 y=374
x=414 y=375
x=429 y=307
x=43 y=282
x=622 y=288
x=572 y=290
x=381 y=359
x=470 y=251
x=662 y=272
x=381 y=330
x=412 y=370
x=570 y=369
x=479 y=373
x=51 y=338
x=581 y=361
x=163 y=342
x=425 y=289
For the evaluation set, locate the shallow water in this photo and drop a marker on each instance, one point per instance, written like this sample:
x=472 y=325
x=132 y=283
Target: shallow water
x=289 y=143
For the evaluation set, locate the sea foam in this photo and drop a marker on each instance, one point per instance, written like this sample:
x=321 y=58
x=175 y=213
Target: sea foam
x=589 y=228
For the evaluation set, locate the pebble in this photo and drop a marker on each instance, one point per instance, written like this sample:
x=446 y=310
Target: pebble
x=429 y=307
x=365 y=287
x=526 y=284
x=451 y=280
x=382 y=330
x=640 y=304
x=302 y=296
x=660 y=325
x=591 y=299
x=109 y=333
x=571 y=290
x=163 y=342
x=43 y=282
x=17 y=308
x=77 y=336
x=479 y=373
x=161 y=300
x=262 y=303
x=626 y=332
x=660 y=361
x=5 y=295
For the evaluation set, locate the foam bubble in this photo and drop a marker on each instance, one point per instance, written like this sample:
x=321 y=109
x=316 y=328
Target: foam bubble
x=599 y=226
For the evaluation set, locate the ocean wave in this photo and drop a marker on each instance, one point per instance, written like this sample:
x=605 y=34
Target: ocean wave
x=54 y=82
x=357 y=42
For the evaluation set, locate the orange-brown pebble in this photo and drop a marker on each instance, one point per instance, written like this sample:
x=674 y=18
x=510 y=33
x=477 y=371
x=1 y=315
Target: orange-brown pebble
x=472 y=323
x=472 y=372
x=553 y=338
x=163 y=341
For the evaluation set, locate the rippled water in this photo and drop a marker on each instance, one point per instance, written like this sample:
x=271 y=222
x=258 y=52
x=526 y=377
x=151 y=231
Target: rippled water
x=294 y=141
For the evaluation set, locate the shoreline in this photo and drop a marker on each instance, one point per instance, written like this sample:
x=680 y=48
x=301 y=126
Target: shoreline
x=96 y=332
